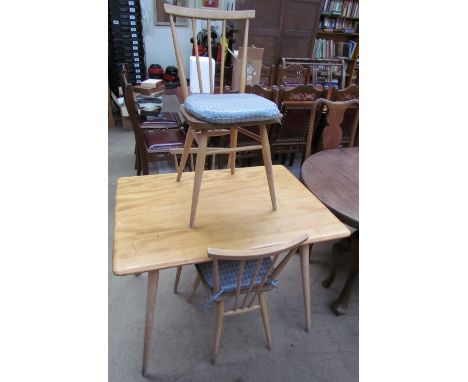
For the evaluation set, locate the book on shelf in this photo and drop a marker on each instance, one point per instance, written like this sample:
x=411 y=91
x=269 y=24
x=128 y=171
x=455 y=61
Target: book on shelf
x=330 y=24
x=333 y=49
x=343 y=8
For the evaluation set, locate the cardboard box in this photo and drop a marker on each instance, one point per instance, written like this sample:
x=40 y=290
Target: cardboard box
x=254 y=58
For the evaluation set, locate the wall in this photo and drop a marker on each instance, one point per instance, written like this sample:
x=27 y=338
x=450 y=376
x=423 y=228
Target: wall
x=158 y=39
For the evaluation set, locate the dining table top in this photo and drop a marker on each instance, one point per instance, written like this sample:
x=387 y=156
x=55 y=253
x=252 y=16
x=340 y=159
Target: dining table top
x=333 y=177
x=151 y=230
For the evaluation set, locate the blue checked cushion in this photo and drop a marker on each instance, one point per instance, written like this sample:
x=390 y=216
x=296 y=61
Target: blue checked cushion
x=229 y=271
x=228 y=108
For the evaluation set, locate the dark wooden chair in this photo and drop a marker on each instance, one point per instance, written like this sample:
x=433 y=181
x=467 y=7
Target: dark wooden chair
x=283 y=134
x=292 y=75
x=214 y=115
x=249 y=272
x=267 y=75
x=335 y=133
x=346 y=94
x=152 y=145
x=290 y=136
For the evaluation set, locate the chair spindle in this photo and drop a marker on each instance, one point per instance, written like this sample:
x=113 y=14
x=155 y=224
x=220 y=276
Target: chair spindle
x=197 y=56
x=264 y=279
x=252 y=280
x=216 y=282
x=210 y=55
x=244 y=58
x=239 y=282
x=221 y=77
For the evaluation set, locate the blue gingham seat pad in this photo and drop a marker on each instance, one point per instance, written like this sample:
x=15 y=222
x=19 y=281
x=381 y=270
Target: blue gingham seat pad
x=229 y=108
x=229 y=271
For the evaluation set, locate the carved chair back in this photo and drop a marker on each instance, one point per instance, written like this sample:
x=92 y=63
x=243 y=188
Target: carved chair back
x=300 y=93
x=346 y=94
x=267 y=74
x=209 y=16
x=296 y=122
x=335 y=130
x=292 y=75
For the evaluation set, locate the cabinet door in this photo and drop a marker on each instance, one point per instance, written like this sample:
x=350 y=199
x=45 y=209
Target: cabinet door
x=284 y=28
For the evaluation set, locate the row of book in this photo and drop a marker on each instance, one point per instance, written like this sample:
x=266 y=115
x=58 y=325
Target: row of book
x=339 y=25
x=332 y=49
x=344 y=8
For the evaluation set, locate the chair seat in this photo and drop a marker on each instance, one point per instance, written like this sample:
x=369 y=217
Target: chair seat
x=164 y=139
x=229 y=108
x=165 y=120
x=229 y=271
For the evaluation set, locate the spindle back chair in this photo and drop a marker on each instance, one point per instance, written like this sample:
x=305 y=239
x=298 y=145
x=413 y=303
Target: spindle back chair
x=256 y=274
x=202 y=111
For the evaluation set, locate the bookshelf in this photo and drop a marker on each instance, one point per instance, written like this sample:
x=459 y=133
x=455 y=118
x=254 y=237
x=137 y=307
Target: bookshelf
x=338 y=34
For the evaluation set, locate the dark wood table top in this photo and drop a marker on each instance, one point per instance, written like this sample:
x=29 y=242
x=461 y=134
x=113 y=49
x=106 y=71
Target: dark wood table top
x=333 y=177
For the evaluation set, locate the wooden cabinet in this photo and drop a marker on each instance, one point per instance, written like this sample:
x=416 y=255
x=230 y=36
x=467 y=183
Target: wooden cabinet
x=284 y=28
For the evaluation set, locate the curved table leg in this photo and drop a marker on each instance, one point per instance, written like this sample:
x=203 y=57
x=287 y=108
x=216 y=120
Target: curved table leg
x=335 y=262
x=340 y=306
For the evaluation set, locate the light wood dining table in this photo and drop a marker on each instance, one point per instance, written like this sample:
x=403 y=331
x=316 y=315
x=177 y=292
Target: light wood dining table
x=234 y=212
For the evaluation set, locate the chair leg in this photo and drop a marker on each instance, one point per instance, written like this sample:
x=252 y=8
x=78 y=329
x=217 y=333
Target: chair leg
x=192 y=166
x=267 y=163
x=145 y=166
x=196 y=283
x=176 y=163
x=219 y=326
x=291 y=159
x=199 y=167
x=233 y=144
x=177 y=278
x=265 y=319
x=136 y=156
x=138 y=162
x=183 y=160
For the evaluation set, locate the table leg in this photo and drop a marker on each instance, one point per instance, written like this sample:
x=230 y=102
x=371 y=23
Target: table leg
x=340 y=306
x=152 y=289
x=306 y=282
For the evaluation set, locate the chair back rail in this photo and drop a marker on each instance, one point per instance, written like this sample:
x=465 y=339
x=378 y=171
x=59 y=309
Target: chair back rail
x=208 y=15
x=346 y=94
x=258 y=254
x=300 y=93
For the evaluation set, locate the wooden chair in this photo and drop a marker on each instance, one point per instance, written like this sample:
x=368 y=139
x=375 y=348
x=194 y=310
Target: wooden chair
x=292 y=75
x=152 y=145
x=203 y=118
x=250 y=272
x=298 y=94
x=335 y=131
x=290 y=136
x=346 y=94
